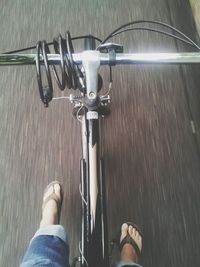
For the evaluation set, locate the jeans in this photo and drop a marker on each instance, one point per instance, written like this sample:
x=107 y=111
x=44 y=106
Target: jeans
x=50 y=248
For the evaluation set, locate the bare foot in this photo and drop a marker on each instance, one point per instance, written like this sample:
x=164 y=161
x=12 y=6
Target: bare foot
x=50 y=210
x=128 y=252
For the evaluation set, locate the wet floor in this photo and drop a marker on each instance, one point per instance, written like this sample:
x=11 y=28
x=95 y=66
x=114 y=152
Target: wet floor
x=150 y=151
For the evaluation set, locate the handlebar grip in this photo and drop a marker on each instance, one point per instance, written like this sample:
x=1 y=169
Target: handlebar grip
x=89 y=43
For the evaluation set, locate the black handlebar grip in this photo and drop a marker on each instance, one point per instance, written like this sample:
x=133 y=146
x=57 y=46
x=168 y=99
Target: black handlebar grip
x=89 y=43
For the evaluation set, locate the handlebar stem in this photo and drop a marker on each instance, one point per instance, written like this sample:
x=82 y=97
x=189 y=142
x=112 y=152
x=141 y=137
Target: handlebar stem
x=91 y=64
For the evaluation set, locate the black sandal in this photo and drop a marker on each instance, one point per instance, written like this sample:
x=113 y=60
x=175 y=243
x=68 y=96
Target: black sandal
x=129 y=240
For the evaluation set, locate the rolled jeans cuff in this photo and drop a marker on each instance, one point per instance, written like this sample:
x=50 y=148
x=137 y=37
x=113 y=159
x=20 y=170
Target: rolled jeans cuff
x=127 y=264
x=53 y=230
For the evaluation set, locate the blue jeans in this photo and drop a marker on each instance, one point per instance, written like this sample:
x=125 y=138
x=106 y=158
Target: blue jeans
x=50 y=248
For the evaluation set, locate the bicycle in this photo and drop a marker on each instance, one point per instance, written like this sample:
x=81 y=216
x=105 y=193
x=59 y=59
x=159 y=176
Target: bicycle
x=89 y=107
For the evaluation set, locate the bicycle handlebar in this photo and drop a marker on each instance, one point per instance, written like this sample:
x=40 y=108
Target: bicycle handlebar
x=86 y=78
x=121 y=58
x=91 y=61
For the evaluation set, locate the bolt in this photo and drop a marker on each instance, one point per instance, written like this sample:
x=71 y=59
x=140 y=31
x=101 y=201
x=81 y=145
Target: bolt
x=92 y=94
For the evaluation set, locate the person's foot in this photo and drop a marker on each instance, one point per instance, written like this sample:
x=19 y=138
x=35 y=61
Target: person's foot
x=128 y=253
x=52 y=201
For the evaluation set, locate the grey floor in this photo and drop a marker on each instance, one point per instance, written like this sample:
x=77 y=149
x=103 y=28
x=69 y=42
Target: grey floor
x=151 y=155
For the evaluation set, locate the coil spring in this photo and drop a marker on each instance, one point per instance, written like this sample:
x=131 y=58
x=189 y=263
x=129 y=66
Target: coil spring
x=71 y=75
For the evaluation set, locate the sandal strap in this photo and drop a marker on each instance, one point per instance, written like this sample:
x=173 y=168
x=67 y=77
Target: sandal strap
x=129 y=240
x=52 y=196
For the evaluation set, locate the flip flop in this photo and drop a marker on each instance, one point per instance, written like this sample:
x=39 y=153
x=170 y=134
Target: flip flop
x=129 y=240
x=53 y=196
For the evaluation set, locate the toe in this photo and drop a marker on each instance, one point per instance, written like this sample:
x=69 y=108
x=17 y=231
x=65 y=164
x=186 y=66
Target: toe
x=136 y=234
x=124 y=230
x=57 y=189
x=124 y=227
x=139 y=242
x=130 y=230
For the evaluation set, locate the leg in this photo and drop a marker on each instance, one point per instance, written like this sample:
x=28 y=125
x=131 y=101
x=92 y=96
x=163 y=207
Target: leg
x=49 y=246
x=129 y=255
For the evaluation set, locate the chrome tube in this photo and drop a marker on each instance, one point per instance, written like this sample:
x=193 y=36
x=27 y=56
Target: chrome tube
x=158 y=58
x=121 y=59
x=153 y=58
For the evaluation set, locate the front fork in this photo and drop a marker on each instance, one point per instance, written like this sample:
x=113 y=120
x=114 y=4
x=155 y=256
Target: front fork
x=93 y=249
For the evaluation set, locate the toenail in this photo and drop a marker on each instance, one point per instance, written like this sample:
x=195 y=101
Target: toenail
x=124 y=225
x=130 y=228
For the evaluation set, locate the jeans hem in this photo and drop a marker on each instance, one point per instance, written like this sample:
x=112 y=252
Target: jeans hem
x=53 y=230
